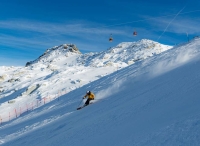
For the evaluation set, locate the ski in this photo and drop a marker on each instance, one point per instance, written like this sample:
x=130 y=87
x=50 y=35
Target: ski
x=83 y=106
x=79 y=108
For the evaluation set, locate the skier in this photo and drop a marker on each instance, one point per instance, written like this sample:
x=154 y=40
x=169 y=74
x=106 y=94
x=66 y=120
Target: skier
x=90 y=96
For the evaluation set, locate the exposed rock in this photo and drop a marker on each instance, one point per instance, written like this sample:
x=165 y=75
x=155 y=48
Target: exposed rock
x=1 y=89
x=31 y=89
x=52 y=68
x=130 y=62
x=28 y=63
x=19 y=73
x=2 y=78
x=11 y=101
x=13 y=80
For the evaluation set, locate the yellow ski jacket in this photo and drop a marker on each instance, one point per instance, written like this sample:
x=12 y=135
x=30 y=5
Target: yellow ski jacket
x=90 y=96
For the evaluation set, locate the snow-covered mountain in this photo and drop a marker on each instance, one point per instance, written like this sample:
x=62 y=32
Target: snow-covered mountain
x=142 y=97
x=65 y=68
x=123 y=54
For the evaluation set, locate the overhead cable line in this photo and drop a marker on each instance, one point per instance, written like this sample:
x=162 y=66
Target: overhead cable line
x=150 y=18
x=171 y=22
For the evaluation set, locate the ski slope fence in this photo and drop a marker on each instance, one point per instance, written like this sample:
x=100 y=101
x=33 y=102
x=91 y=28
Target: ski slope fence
x=21 y=109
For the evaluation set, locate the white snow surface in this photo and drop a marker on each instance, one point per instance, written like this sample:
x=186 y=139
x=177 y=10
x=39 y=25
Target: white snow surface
x=146 y=94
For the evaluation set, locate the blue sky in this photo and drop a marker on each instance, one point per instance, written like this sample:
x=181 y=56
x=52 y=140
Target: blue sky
x=28 y=28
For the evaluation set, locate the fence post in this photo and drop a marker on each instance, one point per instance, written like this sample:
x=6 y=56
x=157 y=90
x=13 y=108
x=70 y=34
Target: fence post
x=58 y=96
x=27 y=107
x=16 y=113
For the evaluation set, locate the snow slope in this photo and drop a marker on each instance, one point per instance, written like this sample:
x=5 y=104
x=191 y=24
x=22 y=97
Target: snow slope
x=151 y=102
x=62 y=69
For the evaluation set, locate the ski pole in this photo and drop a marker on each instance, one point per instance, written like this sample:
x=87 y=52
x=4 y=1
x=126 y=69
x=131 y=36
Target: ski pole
x=80 y=102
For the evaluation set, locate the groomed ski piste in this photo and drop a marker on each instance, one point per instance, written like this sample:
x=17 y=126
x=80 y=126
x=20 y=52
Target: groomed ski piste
x=153 y=101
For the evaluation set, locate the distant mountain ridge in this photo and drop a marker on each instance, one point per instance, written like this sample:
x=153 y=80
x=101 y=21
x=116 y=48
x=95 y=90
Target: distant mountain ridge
x=125 y=53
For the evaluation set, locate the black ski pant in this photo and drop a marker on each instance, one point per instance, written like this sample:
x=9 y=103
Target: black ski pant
x=88 y=101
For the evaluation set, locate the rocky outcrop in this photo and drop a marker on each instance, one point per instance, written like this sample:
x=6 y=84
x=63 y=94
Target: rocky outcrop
x=2 y=78
x=14 y=80
x=1 y=89
x=31 y=89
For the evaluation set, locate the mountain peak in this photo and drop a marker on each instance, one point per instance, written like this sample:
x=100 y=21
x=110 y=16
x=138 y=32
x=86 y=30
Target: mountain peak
x=65 y=49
